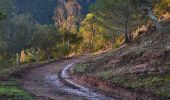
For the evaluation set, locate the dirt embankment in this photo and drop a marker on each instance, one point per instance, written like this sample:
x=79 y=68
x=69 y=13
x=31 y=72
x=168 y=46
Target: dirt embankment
x=113 y=90
x=146 y=59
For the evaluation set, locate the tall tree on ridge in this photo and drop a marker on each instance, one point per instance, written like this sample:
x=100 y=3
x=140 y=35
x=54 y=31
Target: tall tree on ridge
x=120 y=13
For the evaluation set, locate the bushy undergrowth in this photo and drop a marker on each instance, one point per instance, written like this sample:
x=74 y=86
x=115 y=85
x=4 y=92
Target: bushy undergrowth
x=80 y=68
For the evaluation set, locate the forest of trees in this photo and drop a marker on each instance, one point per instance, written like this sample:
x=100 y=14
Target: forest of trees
x=107 y=25
x=41 y=10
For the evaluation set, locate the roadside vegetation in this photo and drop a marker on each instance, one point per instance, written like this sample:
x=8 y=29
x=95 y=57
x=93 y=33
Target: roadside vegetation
x=11 y=90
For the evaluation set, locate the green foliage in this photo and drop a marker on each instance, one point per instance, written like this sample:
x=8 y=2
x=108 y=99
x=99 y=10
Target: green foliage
x=159 y=85
x=164 y=5
x=64 y=49
x=149 y=3
x=106 y=75
x=28 y=59
x=40 y=55
x=6 y=63
x=2 y=16
x=122 y=16
x=6 y=7
x=118 y=42
x=14 y=93
x=9 y=91
x=16 y=33
x=93 y=33
x=46 y=38
x=156 y=84
x=80 y=68
x=41 y=10
x=116 y=45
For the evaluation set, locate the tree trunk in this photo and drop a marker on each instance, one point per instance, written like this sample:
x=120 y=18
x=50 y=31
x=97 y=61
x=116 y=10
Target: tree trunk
x=68 y=45
x=92 y=38
x=48 y=56
x=18 y=58
x=127 y=40
x=68 y=49
x=126 y=37
x=34 y=54
x=91 y=43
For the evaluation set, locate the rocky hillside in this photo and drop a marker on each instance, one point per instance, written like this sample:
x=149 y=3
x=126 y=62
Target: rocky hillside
x=69 y=13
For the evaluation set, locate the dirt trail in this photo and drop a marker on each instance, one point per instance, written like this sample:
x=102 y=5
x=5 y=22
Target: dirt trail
x=43 y=82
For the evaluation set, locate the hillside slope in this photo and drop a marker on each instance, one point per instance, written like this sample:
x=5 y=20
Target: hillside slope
x=143 y=65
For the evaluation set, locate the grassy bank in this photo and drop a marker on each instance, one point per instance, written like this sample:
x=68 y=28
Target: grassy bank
x=9 y=90
x=158 y=85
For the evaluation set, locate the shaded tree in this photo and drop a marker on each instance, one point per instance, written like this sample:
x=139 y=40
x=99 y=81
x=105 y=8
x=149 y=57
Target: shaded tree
x=46 y=38
x=120 y=13
x=41 y=10
x=2 y=16
x=17 y=34
x=6 y=7
x=88 y=29
x=95 y=36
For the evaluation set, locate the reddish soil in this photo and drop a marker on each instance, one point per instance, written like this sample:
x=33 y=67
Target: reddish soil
x=111 y=89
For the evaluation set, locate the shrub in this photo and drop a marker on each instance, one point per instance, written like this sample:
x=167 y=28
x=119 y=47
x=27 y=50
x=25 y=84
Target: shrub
x=116 y=45
x=106 y=75
x=80 y=68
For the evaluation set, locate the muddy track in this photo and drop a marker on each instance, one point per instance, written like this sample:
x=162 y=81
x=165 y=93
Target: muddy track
x=49 y=83
x=83 y=91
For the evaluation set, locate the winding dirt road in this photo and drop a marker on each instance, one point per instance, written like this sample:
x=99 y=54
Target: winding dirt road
x=45 y=84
